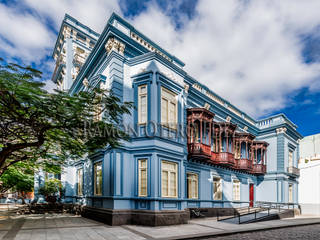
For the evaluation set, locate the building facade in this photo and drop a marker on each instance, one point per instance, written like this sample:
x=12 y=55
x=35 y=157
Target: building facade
x=189 y=147
x=309 y=165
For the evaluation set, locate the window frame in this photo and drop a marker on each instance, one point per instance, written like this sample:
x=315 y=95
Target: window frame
x=236 y=182
x=196 y=180
x=80 y=186
x=215 y=179
x=169 y=179
x=171 y=125
x=139 y=177
x=140 y=95
x=95 y=178
x=290 y=193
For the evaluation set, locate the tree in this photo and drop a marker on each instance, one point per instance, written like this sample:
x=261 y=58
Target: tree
x=51 y=190
x=18 y=179
x=45 y=129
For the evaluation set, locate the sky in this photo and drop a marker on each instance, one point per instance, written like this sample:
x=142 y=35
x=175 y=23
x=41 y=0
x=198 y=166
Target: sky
x=262 y=56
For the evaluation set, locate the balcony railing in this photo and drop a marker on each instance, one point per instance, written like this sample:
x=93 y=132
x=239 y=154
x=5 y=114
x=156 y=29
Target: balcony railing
x=294 y=171
x=200 y=150
x=243 y=164
x=225 y=158
x=259 y=169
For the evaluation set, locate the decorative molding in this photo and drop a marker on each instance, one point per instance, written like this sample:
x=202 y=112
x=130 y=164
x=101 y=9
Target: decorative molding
x=186 y=88
x=281 y=130
x=114 y=44
x=207 y=106
x=85 y=82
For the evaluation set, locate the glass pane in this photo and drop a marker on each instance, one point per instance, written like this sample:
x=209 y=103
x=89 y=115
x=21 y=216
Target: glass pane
x=173 y=183
x=164 y=183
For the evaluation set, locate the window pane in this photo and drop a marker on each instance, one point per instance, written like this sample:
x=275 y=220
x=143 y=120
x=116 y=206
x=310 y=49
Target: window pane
x=164 y=111
x=165 y=183
x=143 y=177
x=173 y=182
x=98 y=179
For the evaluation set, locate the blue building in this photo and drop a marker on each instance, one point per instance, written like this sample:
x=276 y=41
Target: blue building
x=190 y=148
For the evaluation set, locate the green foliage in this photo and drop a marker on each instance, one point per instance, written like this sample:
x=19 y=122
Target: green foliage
x=17 y=179
x=45 y=129
x=52 y=187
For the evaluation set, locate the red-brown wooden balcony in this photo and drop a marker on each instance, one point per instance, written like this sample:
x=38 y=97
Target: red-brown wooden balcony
x=259 y=169
x=243 y=164
x=259 y=153
x=225 y=158
x=199 y=150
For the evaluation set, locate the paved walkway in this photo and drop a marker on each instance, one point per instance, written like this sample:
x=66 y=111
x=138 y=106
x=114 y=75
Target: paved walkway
x=70 y=227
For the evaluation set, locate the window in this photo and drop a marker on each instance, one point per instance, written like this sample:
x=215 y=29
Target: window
x=142 y=104
x=80 y=181
x=290 y=191
x=217 y=189
x=192 y=183
x=290 y=158
x=98 y=178
x=168 y=108
x=169 y=179
x=236 y=190
x=143 y=177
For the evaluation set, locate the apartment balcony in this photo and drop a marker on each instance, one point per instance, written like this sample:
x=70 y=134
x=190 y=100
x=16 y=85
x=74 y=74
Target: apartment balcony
x=225 y=158
x=199 y=150
x=294 y=171
x=243 y=164
x=259 y=169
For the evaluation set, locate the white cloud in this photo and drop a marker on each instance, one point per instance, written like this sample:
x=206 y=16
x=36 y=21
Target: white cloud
x=246 y=51
x=23 y=35
x=93 y=13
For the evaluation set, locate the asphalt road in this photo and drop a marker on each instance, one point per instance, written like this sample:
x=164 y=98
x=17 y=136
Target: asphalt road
x=303 y=232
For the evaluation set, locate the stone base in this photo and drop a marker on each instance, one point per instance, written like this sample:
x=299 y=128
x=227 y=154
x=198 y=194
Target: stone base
x=211 y=212
x=138 y=217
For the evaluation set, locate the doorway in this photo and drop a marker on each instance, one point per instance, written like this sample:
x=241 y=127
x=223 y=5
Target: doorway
x=251 y=194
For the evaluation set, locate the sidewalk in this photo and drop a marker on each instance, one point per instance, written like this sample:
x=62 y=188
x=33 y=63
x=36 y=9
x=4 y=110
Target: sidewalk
x=58 y=226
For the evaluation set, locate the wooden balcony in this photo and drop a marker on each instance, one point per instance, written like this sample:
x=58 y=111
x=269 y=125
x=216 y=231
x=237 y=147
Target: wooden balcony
x=199 y=150
x=259 y=169
x=243 y=164
x=225 y=158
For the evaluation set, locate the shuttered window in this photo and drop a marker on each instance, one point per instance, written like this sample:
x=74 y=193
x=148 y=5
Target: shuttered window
x=80 y=181
x=192 y=182
x=169 y=179
x=142 y=104
x=98 y=178
x=143 y=177
x=217 y=189
x=236 y=190
x=168 y=108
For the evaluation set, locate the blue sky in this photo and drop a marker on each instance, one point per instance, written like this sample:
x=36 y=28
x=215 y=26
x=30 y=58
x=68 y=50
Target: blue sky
x=262 y=56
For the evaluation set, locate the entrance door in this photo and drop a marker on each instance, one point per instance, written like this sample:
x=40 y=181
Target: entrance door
x=251 y=194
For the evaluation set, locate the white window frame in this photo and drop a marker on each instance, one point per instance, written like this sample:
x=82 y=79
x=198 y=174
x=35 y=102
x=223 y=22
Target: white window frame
x=217 y=195
x=290 y=158
x=169 y=171
x=140 y=169
x=141 y=118
x=80 y=181
x=193 y=180
x=170 y=100
x=95 y=178
x=236 y=195
x=290 y=193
